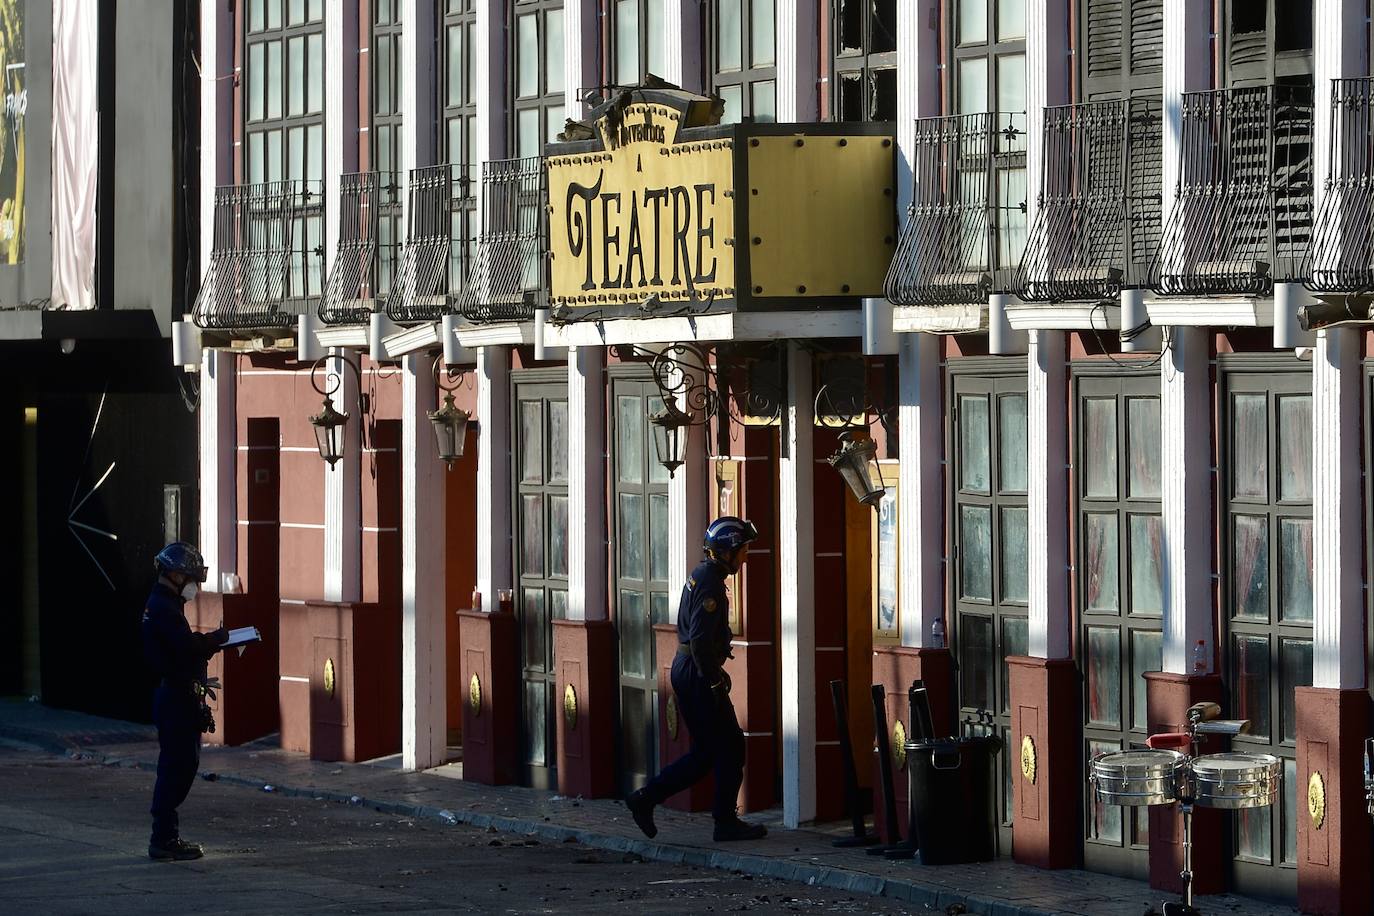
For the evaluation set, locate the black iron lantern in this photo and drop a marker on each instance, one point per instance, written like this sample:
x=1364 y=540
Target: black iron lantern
x=857 y=462
x=671 y=432
x=450 y=430
x=329 y=428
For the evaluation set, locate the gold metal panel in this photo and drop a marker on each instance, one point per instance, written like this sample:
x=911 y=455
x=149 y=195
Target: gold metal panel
x=646 y=216
x=899 y=745
x=1316 y=800
x=821 y=215
x=570 y=707
x=475 y=695
x=1028 y=760
x=329 y=677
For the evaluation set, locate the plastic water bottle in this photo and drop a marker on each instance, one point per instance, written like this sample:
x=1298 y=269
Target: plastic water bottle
x=937 y=633
x=1200 y=659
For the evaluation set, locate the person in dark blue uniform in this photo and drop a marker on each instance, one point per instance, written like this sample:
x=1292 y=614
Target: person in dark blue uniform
x=703 y=689
x=179 y=656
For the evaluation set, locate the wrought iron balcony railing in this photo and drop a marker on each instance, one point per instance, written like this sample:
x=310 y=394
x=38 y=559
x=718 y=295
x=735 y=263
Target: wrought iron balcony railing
x=965 y=228
x=436 y=260
x=360 y=279
x=266 y=260
x=507 y=277
x=1098 y=221
x=1242 y=214
x=1340 y=258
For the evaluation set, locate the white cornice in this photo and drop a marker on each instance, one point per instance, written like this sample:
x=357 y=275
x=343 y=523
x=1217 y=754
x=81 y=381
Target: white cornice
x=940 y=319
x=1237 y=311
x=345 y=335
x=509 y=334
x=1063 y=316
x=723 y=326
x=411 y=339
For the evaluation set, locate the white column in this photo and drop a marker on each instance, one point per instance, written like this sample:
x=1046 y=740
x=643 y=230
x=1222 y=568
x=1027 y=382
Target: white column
x=218 y=467
x=797 y=37
x=419 y=76
x=920 y=509
x=491 y=78
x=1187 y=68
x=1047 y=447
x=918 y=84
x=216 y=114
x=1185 y=415
x=343 y=547
x=580 y=40
x=1338 y=50
x=1047 y=83
x=587 y=521
x=493 y=473
x=797 y=596
x=683 y=43
x=1337 y=512
x=424 y=724
x=340 y=114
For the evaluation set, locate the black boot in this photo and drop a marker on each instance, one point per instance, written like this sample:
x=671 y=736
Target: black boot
x=177 y=850
x=728 y=831
x=642 y=810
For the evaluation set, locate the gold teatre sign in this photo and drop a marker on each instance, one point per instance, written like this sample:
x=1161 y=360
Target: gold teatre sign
x=644 y=216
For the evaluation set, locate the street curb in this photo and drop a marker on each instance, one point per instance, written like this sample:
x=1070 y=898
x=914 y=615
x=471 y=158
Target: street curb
x=837 y=879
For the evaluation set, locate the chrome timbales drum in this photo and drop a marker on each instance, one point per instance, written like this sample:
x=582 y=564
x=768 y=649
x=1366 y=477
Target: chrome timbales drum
x=1237 y=780
x=1133 y=778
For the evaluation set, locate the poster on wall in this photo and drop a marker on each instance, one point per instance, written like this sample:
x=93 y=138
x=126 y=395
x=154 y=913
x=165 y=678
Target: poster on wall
x=75 y=152
x=12 y=222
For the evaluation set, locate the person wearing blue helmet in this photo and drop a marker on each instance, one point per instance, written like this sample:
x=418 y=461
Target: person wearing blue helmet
x=703 y=689
x=179 y=656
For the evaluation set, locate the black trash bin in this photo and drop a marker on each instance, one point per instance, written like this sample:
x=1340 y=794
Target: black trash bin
x=951 y=799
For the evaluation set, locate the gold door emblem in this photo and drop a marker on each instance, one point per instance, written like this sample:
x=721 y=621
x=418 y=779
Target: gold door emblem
x=570 y=707
x=475 y=696
x=329 y=678
x=672 y=718
x=899 y=745
x=1316 y=800
x=1028 y=762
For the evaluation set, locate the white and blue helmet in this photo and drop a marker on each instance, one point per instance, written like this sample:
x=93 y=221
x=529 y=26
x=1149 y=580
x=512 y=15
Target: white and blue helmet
x=729 y=533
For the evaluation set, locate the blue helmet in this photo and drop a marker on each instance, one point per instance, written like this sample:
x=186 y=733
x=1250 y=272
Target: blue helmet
x=181 y=557
x=729 y=533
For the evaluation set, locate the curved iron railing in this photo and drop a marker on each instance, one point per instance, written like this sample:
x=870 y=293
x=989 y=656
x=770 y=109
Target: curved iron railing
x=1242 y=214
x=1098 y=219
x=266 y=260
x=369 y=204
x=435 y=261
x=1340 y=258
x=507 y=277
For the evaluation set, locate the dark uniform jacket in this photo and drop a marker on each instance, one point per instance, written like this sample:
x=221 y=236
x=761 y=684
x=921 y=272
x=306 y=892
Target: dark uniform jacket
x=171 y=648
x=703 y=619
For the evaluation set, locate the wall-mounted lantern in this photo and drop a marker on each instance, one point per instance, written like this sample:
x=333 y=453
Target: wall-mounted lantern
x=329 y=423
x=843 y=403
x=450 y=421
x=857 y=462
x=671 y=432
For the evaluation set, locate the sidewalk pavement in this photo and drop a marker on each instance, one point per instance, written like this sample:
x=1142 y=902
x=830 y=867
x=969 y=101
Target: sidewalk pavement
x=1000 y=888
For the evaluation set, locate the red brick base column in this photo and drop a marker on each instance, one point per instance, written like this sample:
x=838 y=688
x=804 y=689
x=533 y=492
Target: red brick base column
x=491 y=711
x=1168 y=697
x=1334 y=828
x=895 y=667
x=673 y=740
x=246 y=707
x=1048 y=781
x=752 y=682
x=585 y=655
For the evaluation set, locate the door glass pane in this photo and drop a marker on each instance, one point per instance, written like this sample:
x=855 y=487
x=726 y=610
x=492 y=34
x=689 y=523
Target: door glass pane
x=1295 y=670
x=1015 y=641
x=656 y=30
x=531 y=442
x=1254 y=834
x=554 y=121
x=256 y=81
x=527 y=139
x=553 y=53
x=274 y=14
x=1104 y=821
x=973 y=85
x=534 y=628
x=761 y=51
x=1250 y=566
x=1147 y=654
x=973 y=21
x=558 y=535
x=1011 y=19
x=1011 y=201
x=536 y=699
x=630 y=438
x=1100 y=572
x=314 y=99
x=658 y=605
x=627 y=42
x=1011 y=443
x=658 y=536
x=634 y=634
x=973 y=443
x=1147 y=545
x=1295 y=447
x=453 y=44
x=1011 y=102
x=1250 y=686
x=255 y=15
x=1099 y=448
x=1142 y=435
x=1290 y=811
x=527 y=56
x=763 y=97
x=728 y=36
x=1295 y=573
x=975 y=661
x=975 y=552
x=558 y=603
x=1104 y=677
x=1249 y=447
x=733 y=97
x=631 y=535
x=532 y=534
x=1014 y=563
x=558 y=441
x=296 y=14
x=274 y=90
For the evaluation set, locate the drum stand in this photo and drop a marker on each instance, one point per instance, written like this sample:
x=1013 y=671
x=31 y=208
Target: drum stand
x=1197 y=714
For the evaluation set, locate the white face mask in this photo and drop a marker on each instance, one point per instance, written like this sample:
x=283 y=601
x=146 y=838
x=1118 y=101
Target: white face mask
x=188 y=591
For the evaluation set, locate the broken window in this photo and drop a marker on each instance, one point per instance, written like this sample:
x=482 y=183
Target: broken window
x=866 y=54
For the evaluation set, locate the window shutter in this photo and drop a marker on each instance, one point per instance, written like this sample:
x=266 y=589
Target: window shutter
x=1102 y=68
x=1147 y=37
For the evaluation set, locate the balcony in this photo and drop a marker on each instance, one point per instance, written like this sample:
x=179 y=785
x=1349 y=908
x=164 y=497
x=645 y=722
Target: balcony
x=436 y=260
x=1097 y=226
x=506 y=279
x=360 y=280
x=1242 y=214
x=266 y=260
x=1340 y=258
x=966 y=224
